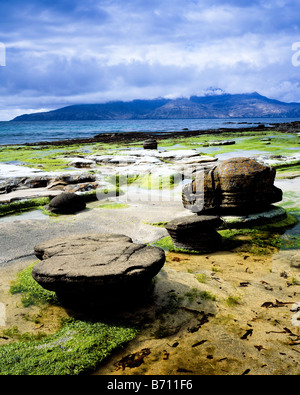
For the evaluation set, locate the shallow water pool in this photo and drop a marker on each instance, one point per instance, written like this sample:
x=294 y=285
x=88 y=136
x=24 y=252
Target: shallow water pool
x=28 y=215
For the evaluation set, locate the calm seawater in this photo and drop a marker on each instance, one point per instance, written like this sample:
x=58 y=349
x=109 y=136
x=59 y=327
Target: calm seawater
x=31 y=132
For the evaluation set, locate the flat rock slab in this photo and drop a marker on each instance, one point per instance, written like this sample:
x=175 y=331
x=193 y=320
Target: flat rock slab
x=271 y=215
x=97 y=268
x=25 y=194
x=195 y=232
x=10 y=170
x=194 y=222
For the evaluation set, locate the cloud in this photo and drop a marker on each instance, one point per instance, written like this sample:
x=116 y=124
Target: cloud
x=62 y=52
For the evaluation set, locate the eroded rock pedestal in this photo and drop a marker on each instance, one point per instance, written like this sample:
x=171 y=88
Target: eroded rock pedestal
x=235 y=187
x=240 y=191
x=195 y=232
x=97 y=269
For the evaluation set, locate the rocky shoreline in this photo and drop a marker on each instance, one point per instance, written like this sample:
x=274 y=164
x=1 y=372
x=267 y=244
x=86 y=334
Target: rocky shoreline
x=230 y=311
x=129 y=137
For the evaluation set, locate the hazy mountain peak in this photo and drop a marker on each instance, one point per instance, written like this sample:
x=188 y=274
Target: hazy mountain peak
x=214 y=104
x=213 y=91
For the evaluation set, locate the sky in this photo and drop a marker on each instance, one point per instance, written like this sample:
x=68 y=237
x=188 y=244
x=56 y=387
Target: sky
x=55 y=53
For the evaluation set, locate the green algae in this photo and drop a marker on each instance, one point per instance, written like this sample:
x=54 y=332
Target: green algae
x=279 y=144
x=78 y=347
x=146 y=181
x=32 y=292
x=160 y=224
x=121 y=180
x=195 y=294
x=102 y=193
x=113 y=206
x=21 y=206
x=166 y=244
x=233 y=300
x=56 y=158
x=45 y=157
x=260 y=240
x=150 y=181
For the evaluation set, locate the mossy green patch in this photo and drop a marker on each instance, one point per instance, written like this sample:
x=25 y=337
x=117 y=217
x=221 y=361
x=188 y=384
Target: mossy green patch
x=22 y=205
x=294 y=167
x=288 y=222
x=32 y=292
x=102 y=193
x=247 y=140
x=260 y=240
x=78 y=347
x=195 y=294
x=157 y=224
x=150 y=181
x=202 y=278
x=289 y=242
x=45 y=157
x=167 y=244
x=233 y=300
x=113 y=206
x=118 y=180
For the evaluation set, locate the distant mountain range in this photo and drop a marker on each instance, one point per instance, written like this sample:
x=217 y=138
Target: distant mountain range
x=210 y=106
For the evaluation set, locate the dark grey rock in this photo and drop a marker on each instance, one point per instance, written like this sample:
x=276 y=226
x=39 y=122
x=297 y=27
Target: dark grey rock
x=66 y=203
x=195 y=232
x=222 y=142
x=271 y=215
x=16 y=183
x=150 y=144
x=57 y=185
x=236 y=186
x=76 y=178
x=97 y=268
x=37 y=182
x=295 y=262
x=11 y=184
x=84 y=187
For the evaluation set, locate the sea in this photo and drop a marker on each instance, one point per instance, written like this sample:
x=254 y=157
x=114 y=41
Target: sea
x=33 y=132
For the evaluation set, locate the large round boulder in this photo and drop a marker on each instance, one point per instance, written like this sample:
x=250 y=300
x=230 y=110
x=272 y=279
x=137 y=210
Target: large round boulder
x=100 y=269
x=66 y=203
x=237 y=185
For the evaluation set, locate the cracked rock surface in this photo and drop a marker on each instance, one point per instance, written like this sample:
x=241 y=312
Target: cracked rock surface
x=92 y=266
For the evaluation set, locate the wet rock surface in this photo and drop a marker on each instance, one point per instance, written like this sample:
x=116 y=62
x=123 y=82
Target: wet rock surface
x=150 y=144
x=99 y=269
x=235 y=186
x=66 y=203
x=186 y=332
x=195 y=232
x=272 y=214
x=248 y=330
x=18 y=188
